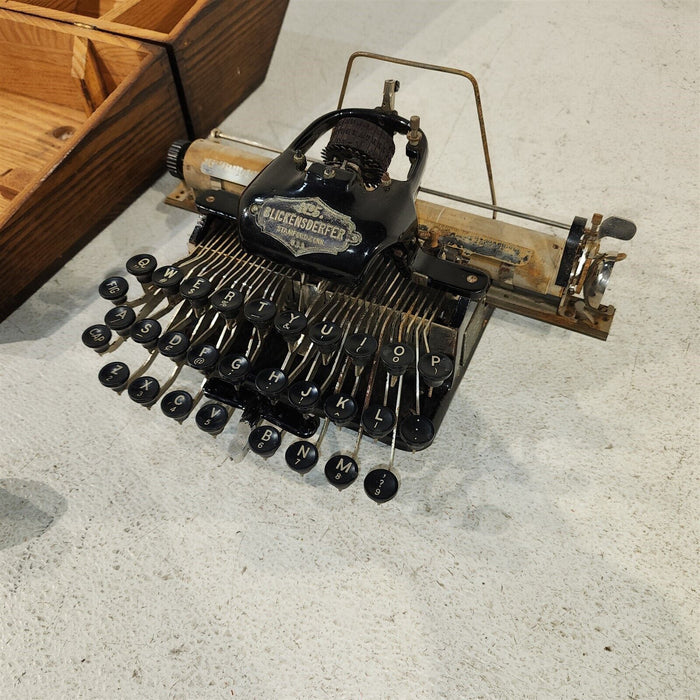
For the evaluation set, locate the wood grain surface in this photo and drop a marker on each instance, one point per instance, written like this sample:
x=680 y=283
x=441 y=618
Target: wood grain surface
x=79 y=184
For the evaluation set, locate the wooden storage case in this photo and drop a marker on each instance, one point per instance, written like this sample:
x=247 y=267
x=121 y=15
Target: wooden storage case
x=85 y=120
x=220 y=49
x=92 y=93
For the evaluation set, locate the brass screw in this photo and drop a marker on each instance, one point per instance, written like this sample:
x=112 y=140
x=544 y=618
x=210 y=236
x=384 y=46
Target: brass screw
x=211 y=198
x=472 y=279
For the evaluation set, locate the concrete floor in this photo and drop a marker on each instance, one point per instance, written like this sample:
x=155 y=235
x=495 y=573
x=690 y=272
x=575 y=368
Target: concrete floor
x=546 y=546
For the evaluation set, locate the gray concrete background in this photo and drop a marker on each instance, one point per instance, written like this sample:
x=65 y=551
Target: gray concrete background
x=546 y=546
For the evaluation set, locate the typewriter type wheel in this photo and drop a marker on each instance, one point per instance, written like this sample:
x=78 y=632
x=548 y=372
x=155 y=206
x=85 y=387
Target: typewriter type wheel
x=360 y=142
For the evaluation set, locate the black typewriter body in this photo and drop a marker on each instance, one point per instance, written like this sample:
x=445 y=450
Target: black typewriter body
x=315 y=295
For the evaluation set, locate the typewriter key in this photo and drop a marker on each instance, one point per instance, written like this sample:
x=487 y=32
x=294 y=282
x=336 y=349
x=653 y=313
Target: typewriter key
x=174 y=345
x=177 y=405
x=260 y=312
x=303 y=395
x=417 y=432
x=196 y=290
x=227 y=302
x=301 y=456
x=97 y=337
x=290 y=325
x=270 y=382
x=264 y=440
x=168 y=278
x=146 y=332
x=381 y=485
x=114 y=289
x=114 y=375
x=142 y=267
x=234 y=367
x=212 y=418
x=435 y=368
x=361 y=348
x=341 y=471
x=340 y=408
x=120 y=319
x=397 y=358
x=378 y=420
x=203 y=357
x=326 y=336
x=144 y=390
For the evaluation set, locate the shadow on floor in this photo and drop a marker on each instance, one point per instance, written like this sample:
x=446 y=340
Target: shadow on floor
x=27 y=510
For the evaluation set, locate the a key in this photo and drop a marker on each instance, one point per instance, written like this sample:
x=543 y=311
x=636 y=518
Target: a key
x=120 y=319
x=142 y=267
x=173 y=344
x=177 y=405
x=146 y=332
x=212 y=418
x=114 y=375
x=114 y=289
x=435 y=368
x=144 y=390
x=97 y=337
x=264 y=440
x=227 y=302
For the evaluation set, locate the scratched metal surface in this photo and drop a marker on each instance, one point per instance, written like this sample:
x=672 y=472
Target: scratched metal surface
x=545 y=546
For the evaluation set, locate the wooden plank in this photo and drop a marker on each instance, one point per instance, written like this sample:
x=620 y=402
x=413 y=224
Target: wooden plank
x=86 y=70
x=223 y=51
x=155 y=15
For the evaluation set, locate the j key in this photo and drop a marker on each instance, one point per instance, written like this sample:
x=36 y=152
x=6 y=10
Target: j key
x=397 y=358
x=203 y=357
x=146 y=332
x=142 y=267
x=271 y=382
x=260 y=312
x=212 y=418
x=234 y=367
x=114 y=289
x=227 y=302
x=418 y=432
x=290 y=325
x=177 y=404
x=114 y=375
x=144 y=390
x=326 y=336
x=340 y=408
x=196 y=290
x=303 y=395
x=173 y=344
x=168 y=278
x=341 y=470
x=435 y=368
x=97 y=337
x=361 y=348
x=378 y=420
x=264 y=440
x=301 y=456
x=381 y=485
x=120 y=319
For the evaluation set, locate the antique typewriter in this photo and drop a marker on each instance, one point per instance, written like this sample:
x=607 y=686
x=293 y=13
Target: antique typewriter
x=321 y=293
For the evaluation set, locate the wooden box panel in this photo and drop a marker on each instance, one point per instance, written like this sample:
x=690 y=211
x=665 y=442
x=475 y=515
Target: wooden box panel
x=85 y=121
x=221 y=49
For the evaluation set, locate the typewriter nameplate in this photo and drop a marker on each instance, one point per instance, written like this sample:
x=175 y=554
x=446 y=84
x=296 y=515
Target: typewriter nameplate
x=306 y=226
